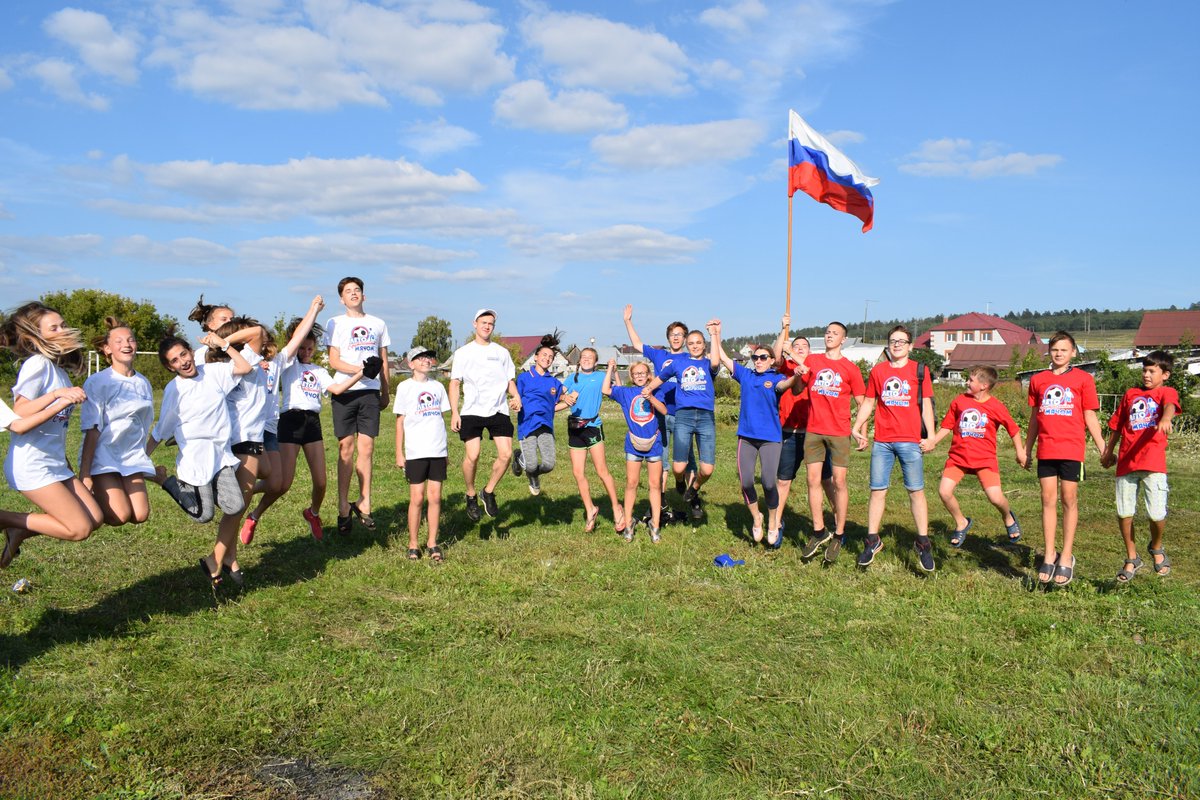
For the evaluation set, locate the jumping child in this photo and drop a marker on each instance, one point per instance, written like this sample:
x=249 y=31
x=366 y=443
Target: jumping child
x=585 y=436
x=421 y=448
x=542 y=395
x=643 y=442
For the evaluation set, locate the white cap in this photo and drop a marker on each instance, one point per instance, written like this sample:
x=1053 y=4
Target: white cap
x=483 y=312
x=417 y=352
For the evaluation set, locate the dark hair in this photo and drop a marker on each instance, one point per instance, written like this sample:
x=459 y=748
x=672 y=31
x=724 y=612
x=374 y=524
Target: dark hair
x=899 y=329
x=168 y=342
x=841 y=325
x=674 y=325
x=551 y=340
x=110 y=324
x=350 y=279
x=1060 y=336
x=203 y=311
x=985 y=373
x=316 y=333
x=212 y=356
x=1159 y=358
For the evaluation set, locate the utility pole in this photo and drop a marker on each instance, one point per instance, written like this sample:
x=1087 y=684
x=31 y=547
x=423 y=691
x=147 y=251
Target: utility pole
x=866 y=305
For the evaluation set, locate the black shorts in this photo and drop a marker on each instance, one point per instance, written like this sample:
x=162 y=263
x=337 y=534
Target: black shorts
x=1061 y=468
x=297 y=426
x=248 y=449
x=585 y=438
x=496 y=425
x=419 y=470
x=356 y=412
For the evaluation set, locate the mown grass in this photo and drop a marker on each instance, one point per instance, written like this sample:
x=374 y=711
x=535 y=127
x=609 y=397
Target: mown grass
x=554 y=663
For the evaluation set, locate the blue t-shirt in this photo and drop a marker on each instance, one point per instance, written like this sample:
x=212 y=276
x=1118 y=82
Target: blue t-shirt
x=665 y=393
x=539 y=393
x=587 y=405
x=639 y=417
x=695 y=376
x=758 y=417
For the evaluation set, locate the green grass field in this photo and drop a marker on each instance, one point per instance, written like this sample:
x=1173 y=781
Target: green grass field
x=554 y=663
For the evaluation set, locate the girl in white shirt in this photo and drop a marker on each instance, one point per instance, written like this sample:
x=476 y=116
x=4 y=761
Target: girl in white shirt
x=116 y=421
x=37 y=465
x=210 y=317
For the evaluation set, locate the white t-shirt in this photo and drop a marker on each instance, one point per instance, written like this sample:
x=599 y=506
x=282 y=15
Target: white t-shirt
x=302 y=385
x=39 y=458
x=122 y=410
x=485 y=370
x=248 y=407
x=422 y=403
x=357 y=338
x=7 y=415
x=194 y=411
x=272 y=369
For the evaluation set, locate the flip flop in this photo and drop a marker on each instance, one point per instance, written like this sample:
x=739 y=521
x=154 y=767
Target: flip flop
x=959 y=536
x=591 y=520
x=1014 y=530
x=414 y=554
x=1064 y=572
x=1045 y=572
x=12 y=548
x=435 y=553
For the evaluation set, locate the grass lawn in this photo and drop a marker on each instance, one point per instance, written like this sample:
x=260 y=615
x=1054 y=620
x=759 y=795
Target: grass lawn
x=554 y=663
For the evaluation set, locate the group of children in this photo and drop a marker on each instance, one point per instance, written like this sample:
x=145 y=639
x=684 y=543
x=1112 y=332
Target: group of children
x=235 y=437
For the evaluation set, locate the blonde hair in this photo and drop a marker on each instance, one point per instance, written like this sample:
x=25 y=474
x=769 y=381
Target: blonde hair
x=22 y=334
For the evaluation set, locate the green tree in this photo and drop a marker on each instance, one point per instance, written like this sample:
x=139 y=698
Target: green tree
x=930 y=358
x=434 y=333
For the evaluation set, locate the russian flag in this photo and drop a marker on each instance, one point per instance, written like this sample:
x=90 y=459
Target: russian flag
x=823 y=172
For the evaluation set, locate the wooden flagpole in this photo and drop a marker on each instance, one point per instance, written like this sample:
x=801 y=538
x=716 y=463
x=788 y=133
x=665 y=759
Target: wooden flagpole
x=787 y=303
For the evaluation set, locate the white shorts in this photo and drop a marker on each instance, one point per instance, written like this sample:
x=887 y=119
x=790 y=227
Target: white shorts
x=1154 y=486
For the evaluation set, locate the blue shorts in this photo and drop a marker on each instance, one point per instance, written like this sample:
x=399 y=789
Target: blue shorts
x=912 y=464
x=791 y=457
x=698 y=422
x=271 y=442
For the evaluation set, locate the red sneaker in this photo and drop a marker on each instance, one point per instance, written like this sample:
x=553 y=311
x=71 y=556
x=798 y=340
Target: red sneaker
x=314 y=524
x=248 y=530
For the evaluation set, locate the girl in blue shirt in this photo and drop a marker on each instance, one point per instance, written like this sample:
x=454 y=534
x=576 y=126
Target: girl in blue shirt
x=541 y=395
x=760 y=435
x=643 y=442
x=585 y=434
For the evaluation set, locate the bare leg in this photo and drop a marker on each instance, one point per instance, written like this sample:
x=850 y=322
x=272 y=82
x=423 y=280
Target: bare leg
x=470 y=463
x=364 y=466
x=433 y=511
x=416 y=498
x=601 y=464
x=283 y=472
x=225 y=550
x=504 y=452
x=1049 y=488
x=345 y=469
x=578 y=461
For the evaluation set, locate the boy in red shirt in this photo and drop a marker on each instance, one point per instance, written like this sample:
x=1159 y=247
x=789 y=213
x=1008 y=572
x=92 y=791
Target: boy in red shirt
x=831 y=380
x=975 y=418
x=892 y=391
x=1141 y=424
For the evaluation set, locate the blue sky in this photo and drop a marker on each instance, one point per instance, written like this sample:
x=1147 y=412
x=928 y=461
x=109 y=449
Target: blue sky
x=556 y=161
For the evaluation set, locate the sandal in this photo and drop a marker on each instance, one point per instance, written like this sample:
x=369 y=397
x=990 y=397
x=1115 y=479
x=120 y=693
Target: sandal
x=1161 y=567
x=414 y=554
x=621 y=527
x=1064 y=572
x=591 y=520
x=959 y=536
x=1014 y=530
x=367 y=520
x=1131 y=567
x=213 y=580
x=1045 y=572
x=435 y=554
x=12 y=548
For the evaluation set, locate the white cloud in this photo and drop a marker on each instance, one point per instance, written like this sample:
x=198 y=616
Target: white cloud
x=528 y=105
x=437 y=137
x=59 y=77
x=52 y=246
x=400 y=274
x=719 y=71
x=843 y=138
x=5 y=81
x=182 y=283
x=271 y=252
x=99 y=46
x=617 y=243
x=961 y=158
x=666 y=146
x=589 y=51
x=184 y=251
x=443 y=220
x=735 y=18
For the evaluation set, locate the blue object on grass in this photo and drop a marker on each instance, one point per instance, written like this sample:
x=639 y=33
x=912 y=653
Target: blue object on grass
x=724 y=560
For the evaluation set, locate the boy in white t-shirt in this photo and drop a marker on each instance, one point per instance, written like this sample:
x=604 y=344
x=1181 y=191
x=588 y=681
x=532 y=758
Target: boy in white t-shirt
x=486 y=370
x=421 y=447
x=352 y=338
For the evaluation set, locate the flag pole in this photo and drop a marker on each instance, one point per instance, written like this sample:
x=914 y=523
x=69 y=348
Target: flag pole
x=787 y=303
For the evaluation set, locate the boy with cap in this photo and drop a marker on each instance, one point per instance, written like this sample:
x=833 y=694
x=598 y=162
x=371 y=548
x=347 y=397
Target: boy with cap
x=486 y=369
x=421 y=447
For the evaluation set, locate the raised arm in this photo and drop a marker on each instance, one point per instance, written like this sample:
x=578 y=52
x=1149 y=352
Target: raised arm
x=781 y=342
x=717 y=355
x=609 y=375
x=305 y=326
x=634 y=339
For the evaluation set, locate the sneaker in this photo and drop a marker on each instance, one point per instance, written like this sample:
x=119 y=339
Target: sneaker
x=680 y=487
x=814 y=542
x=873 y=545
x=343 y=524
x=692 y=497
x=489 y=503
x=654 y=535
x=518 y=463
x=925 y=553
x=535 y=485
x=473 y=508
x=834 y=549
x=248 y=526
x=314 y=524
x=646 y=519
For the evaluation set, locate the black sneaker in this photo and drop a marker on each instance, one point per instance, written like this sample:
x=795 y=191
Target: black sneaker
x=834 y=549
x=693 y=500
x=472 y=508
x=925 y=553
x=814 y=542
x=518 y=464
x=343 y=524
x=489 y=503
x=873 y=545
x=681 y=487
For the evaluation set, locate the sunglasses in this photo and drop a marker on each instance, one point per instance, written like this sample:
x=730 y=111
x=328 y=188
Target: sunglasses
x=759 y=357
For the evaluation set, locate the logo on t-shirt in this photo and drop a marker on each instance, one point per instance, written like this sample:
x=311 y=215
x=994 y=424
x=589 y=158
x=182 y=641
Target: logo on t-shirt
x=362 y=339
x=429 y=405
x=896 y=392
x=1058 y=401
x=309 y=384
x=828 y=383
x=693 y=379
x=973 y=424
x=1143 y=414
x=640 y=411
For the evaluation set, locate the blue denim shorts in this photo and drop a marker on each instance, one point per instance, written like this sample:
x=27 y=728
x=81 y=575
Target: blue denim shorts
x=698 y=422
x=912 y=464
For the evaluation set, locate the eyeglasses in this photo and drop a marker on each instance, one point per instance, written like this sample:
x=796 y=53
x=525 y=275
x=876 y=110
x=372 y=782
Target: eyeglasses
x=760 y=357
x=895 y=342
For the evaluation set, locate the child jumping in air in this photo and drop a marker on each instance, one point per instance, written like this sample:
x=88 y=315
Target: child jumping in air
x=585 y=435
x=541 y=395
x=643 y=442
x=421 y=448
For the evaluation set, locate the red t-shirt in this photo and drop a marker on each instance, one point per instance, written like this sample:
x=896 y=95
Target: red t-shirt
x=897 y=414
x=1059 y=402
x=975 y=425
x=793 y=408
x=831 y=384
x=1142 y=446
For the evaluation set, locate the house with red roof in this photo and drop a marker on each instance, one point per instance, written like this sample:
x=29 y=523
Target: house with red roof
x=975 y=329
x=1167 y=329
